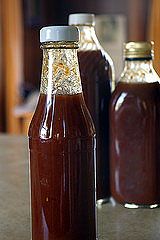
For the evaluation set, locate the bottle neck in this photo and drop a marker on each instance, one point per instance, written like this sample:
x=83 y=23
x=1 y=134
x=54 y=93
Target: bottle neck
x=139 y=70
x=138 y=64
x=88 y=38
x=60 y=71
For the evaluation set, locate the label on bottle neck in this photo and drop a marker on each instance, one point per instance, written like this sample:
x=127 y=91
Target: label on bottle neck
x=60 y=72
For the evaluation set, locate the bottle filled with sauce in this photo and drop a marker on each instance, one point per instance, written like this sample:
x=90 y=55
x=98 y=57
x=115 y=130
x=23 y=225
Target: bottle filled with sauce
x=62 y=145
x=97 y=75
x=134 y=130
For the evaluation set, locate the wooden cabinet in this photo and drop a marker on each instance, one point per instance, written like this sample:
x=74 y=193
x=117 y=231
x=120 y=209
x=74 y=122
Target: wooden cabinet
x=2 y=86
x=12 y=59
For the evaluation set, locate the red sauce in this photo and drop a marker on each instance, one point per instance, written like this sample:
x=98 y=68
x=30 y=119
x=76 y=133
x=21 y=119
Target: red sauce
x=135 y=162
x=62 y=170
x=95 y=74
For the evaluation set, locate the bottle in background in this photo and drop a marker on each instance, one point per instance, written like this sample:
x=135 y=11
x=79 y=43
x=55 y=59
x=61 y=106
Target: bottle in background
x=62 y=145
x=97 y=75
x=134 y=130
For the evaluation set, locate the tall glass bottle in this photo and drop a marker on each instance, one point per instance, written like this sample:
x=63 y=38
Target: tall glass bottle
x=97 y=74
x=134 y=130
x=62 y=145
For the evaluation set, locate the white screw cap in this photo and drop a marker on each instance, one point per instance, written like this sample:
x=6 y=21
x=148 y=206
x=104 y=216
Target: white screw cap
x=82 y=19
x=59 y=33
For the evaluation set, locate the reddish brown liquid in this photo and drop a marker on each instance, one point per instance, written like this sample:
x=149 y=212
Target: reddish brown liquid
x=96 y=75
x=62 y=170
x=135 y=163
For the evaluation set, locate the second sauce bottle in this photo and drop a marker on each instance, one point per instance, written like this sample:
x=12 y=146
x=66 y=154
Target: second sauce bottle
x=96 y=70
x=135 y=118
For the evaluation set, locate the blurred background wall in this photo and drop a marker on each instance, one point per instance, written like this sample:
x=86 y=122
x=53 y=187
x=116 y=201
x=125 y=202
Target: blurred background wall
x=20 y=55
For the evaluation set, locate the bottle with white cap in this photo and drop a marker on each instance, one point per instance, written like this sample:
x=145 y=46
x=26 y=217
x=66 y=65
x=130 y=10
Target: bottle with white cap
x=62 y=145
x=97 y=75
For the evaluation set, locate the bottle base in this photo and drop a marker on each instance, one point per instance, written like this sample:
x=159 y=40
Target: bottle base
x=102 y=201
x=134 y=206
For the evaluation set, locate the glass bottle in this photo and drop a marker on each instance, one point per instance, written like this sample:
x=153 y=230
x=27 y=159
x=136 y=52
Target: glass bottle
x=62 y=145
x=134 y=130
x=97 y=75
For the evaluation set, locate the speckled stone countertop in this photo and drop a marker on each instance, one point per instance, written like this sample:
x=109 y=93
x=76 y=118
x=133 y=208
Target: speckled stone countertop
x=114 y=222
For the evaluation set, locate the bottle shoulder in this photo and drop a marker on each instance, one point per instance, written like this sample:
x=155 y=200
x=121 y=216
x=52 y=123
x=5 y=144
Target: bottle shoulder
x=96 y=65
x=64 y=117
x=134 y=97
x=139 y=75
x=97 y=59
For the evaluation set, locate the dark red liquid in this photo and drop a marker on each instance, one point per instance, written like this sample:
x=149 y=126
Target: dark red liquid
x=96 y=75
x=62 y=145
x=134 y=117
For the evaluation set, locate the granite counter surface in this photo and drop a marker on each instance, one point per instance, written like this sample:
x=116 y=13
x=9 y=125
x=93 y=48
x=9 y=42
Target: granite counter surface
x=114 y=221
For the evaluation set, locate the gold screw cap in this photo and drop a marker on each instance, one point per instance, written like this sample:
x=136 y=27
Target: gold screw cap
x=138 y=49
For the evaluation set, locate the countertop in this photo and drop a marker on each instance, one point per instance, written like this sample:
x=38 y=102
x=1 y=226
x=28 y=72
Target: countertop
x=114 y=221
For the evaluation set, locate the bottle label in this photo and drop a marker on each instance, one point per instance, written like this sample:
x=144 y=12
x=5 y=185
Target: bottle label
x=60 y=72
